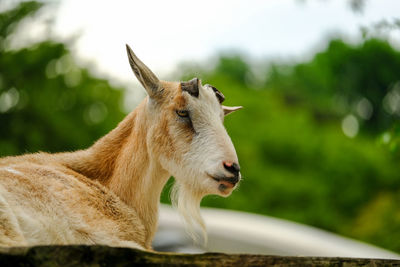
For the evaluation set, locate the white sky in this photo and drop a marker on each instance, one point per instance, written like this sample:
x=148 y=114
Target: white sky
x=164 y=33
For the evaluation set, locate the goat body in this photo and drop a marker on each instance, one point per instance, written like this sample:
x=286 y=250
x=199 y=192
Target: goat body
x=109 y=193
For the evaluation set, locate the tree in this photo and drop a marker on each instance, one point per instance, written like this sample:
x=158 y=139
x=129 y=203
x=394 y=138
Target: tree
x=363 y=79
x=47 y=102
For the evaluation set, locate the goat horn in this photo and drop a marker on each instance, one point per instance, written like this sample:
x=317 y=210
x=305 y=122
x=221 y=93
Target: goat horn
x=192 y=87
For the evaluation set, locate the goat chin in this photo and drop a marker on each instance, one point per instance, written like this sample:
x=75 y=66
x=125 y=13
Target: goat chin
x=187 y=200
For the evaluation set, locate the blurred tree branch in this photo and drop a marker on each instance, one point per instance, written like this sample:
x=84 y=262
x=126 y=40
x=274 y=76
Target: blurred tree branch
x=10 y=18
x=47 y=101
x=355 y=5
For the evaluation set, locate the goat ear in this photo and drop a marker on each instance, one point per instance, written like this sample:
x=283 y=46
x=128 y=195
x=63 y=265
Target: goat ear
x=229 y=110
x=145 y=76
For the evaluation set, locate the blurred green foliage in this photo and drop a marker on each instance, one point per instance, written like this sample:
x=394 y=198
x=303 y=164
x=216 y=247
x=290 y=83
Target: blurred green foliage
x=296 y=161
x=344 y=79
x=47 y=102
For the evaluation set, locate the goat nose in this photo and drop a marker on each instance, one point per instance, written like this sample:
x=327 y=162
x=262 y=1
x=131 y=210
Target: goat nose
x=232 y=167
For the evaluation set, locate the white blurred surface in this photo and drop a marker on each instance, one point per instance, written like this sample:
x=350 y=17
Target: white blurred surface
x=240 y=232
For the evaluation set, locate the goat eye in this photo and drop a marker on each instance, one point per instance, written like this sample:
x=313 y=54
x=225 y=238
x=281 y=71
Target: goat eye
x=182 y=113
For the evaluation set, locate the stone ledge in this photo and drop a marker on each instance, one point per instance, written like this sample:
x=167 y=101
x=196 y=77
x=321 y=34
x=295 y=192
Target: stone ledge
x=111 y=256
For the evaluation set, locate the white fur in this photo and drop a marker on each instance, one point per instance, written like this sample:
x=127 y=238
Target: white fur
x=211 y=145
x=11 y=170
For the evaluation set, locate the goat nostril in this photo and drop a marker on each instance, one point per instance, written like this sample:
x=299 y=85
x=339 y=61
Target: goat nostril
x=232 y=167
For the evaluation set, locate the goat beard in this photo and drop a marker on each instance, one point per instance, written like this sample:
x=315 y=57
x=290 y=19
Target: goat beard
x=187 y=201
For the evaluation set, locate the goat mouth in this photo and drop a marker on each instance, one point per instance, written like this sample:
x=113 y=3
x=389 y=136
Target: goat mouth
x=225 y=182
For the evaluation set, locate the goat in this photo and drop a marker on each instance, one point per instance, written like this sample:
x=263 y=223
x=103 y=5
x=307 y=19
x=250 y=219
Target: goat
x=109 y=193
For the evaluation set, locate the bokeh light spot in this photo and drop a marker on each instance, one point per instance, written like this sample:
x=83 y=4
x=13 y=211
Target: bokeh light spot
x=350 y=126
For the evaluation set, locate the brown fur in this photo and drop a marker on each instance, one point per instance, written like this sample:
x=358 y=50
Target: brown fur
x=118 y=162
x=110 y=192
